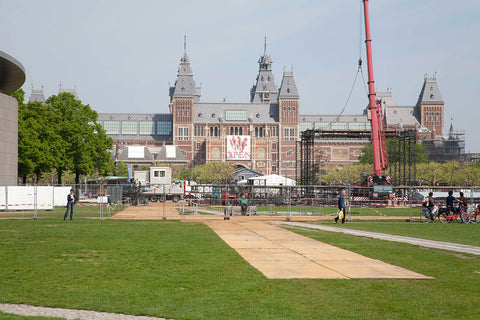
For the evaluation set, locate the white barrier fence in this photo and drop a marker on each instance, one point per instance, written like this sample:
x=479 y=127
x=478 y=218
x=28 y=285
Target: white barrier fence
x=32 y=197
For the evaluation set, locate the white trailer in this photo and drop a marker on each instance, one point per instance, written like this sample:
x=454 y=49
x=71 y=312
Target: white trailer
x=156 y=185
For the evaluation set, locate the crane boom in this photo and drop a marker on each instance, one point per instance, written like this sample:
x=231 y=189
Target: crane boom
x=380 y=160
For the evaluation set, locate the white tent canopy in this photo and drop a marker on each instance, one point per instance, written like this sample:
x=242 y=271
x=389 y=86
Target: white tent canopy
x=270 y=180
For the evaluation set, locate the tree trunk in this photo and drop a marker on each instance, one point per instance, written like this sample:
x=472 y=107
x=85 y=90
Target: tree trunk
x=77 y=177
x=59 y=176
x=38 y=175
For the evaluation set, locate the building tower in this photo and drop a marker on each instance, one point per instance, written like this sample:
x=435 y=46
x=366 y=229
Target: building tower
x=264 y=90
x=288 y=110
x=182 y=96
x=430 y=107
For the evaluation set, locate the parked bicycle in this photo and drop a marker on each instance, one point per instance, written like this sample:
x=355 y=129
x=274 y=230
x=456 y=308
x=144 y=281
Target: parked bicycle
x=447 y=215
x=473 y=215
x=428 y=215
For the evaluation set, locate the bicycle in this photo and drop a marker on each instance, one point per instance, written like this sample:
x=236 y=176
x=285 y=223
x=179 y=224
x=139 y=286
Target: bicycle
x=428 y=215
x=446 y=215
x=473 y=215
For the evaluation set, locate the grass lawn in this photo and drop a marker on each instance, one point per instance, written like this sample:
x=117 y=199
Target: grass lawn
x=452 y=232
x=184 y=271
x=80 y=211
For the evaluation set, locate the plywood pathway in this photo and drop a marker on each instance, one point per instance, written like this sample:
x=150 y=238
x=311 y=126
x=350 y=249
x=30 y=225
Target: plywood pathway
x=279 y=253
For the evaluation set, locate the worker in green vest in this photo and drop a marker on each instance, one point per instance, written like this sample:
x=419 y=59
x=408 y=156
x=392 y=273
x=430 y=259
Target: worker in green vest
x=244 y=204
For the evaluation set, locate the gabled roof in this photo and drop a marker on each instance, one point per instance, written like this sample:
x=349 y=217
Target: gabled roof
x=171 y=154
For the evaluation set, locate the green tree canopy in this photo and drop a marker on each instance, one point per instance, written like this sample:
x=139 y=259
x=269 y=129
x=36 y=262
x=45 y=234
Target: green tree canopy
x=84 y=144
x=395 y=152
x=214 y=172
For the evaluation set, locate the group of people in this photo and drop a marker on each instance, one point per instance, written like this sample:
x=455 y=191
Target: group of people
x=449 y=202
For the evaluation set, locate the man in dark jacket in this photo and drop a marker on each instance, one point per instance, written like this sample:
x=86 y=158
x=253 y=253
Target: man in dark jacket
x=71 y=199
x=342 y=204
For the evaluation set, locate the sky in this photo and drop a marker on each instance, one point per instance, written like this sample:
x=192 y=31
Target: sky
x=122 y=56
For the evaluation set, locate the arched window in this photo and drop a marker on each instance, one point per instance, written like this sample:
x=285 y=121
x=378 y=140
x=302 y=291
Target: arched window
x=231 y=131
x=240 y=131
x=256 y=132
x=216 y=131
x=236 y=130
x=211 y=131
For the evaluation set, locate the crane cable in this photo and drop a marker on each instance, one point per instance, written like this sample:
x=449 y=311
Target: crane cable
x=359 y=70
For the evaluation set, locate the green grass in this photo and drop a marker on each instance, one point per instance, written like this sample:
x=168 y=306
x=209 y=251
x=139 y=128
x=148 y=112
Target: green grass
x=79 y=212
x=184 y=271
x=452 y=232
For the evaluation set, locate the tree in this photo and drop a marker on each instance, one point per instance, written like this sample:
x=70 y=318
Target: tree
x=121 y=169
x=392 y=152
x=214 y=172
x=37 y=138
x=84 y=143
x=183 y=174
x=450 y=170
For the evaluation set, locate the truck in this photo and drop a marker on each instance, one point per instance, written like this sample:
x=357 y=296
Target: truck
x=156 y=185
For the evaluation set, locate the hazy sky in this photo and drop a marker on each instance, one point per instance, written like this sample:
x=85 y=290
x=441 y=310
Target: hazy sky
x=122 y=55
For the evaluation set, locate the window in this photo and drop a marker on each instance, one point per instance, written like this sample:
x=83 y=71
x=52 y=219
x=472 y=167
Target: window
x=147 y=127
x=198 y=146
x=213 y=131
x=129 y=127
x=240 y=131
x=273 y=132
x=274 y=157
x=159 y=173
x=236 y=115
x=182 y=134
x=274 y=146
x=164 y=128
x=289 y=134
x=289 y=164
x=198 y=131
x=289 y=153
x=305 y=126
x=111 y=127
x=259 y=132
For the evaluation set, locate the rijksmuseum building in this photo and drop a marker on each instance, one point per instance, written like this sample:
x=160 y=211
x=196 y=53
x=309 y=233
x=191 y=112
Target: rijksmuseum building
x=261 y=135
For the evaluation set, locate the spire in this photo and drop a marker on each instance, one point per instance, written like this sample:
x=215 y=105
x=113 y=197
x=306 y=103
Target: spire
x=265 y=47
x=185 y=85
x=185 y=57
x=264 y=90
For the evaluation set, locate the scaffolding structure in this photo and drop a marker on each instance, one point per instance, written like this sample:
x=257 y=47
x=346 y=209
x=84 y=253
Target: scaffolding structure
x=403 y=158
x=403 y=155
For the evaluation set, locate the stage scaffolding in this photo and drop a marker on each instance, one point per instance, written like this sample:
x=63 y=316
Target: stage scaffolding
x=402 y=152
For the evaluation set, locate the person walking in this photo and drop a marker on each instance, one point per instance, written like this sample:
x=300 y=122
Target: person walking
x=342 y=204
x=71 y=199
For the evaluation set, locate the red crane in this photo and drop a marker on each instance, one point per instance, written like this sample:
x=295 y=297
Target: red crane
x=380 y=158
